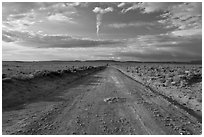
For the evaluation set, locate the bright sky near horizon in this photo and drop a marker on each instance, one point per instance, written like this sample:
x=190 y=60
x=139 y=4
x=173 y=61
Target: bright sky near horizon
x=150 y=31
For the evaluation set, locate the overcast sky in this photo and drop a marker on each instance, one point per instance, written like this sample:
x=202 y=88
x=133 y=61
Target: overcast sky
x=92 y=31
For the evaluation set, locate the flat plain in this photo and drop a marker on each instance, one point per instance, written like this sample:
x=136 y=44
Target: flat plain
x=101 y=98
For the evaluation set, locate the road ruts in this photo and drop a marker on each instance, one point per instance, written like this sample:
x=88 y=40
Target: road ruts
x=109 y=102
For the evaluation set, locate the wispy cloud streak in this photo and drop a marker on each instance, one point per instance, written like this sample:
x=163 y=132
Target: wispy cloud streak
x=99 y=14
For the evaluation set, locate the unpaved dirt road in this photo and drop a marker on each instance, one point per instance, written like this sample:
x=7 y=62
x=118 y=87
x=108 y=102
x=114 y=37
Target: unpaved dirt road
x=107 y=102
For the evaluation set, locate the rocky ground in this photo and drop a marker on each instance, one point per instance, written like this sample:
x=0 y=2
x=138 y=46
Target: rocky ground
x=105 y=102
x=181 y=82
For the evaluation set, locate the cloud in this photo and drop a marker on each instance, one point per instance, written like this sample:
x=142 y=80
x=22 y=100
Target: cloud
x=185 y=16
x=162 y=40
x=74 y=4
x=61 y=7
x=149 y=7
x=133 y=7
x=133 y=24
x=19 y=21
x=162 y=47
x=39 y=40
x=166 y=47
x=156 y=6
x=99 y=14
x=182 y=16
x=60 y=17
x=99 y=10
x=19 y=16
x=13 y=51
x=122 y=4
x=196 y=33
x=13 y=8
x=180 y=25
x=7 y=38
x=169 y=54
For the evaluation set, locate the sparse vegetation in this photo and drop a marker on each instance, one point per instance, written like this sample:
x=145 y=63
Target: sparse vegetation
x=29 y=85
x=23 y=69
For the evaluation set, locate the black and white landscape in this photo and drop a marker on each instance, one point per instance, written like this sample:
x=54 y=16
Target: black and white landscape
x=96 y=68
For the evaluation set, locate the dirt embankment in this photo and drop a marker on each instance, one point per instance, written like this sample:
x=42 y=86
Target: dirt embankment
x=17 y=91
